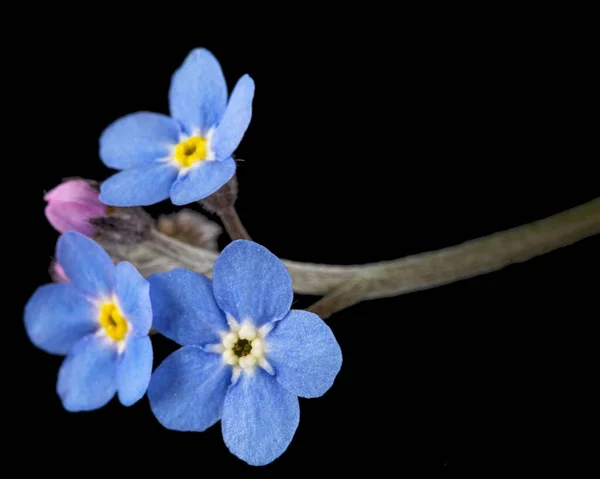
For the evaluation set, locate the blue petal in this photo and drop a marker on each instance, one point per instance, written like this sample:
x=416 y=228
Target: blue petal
x=57 y=316
x=259 y=418
x=202 y=181
x=187 y=390
x=304 y=353
x=184 y=308
x=236 y=119
x=133 y=373
x=133 y=292
x=142 y=185
x=250 y=282
x=87 y=378
x=86 y=264
x=198 y=93
x=138 y=138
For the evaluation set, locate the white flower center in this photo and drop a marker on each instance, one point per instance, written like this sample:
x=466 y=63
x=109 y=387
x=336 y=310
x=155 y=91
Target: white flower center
x=244 y=347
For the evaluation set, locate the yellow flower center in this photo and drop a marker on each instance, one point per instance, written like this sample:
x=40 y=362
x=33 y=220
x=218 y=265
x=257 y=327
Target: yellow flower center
x=113 y=321
x=191 y=151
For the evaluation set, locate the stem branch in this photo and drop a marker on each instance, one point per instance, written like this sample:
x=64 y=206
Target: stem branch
x=343 y=286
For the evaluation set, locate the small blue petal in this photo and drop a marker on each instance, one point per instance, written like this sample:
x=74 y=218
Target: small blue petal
x=259 y=418
x=133 y=292
x=138 y=138
x=236 y=119
x=250 y=282
x=198 y=93
x=304 y=353
x=134 y=370
x=142 y=185
x=201 y=181
x=86 y=264
x=184 y=308
x=57 y=316
x=87 y=379
x=187 y=390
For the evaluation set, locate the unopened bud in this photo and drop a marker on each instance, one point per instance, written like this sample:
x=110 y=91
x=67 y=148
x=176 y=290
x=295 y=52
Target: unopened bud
x=57 y=273
x=72 y=204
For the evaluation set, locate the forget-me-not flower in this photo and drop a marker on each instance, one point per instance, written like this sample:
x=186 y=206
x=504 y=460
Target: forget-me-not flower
x=245 y=357
x=100 y=320
x=187 y=156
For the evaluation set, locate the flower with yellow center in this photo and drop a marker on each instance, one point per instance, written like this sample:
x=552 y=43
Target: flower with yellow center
x=191 y=151
x=99 y=320
x=113 y=322
x=188 y=156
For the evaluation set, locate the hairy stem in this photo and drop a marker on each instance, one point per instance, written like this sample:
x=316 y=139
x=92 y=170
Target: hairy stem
x=343 y=286
x=232 y=223
x=222 y=203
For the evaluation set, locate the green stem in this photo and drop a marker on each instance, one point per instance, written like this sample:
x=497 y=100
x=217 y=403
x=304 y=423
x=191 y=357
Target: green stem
x=343 y=286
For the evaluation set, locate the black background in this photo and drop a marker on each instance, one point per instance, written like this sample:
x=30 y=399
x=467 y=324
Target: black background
x=362 y=147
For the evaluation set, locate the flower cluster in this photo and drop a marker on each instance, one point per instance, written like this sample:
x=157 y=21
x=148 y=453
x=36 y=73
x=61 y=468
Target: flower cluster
x=245 y=355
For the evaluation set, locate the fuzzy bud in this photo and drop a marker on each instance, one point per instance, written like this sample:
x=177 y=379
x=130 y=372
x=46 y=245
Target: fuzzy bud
x=223 y=198
x=190 y=227
x=125 y=226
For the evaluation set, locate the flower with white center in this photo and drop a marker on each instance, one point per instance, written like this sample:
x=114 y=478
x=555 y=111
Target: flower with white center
x=187 y=156
x=246 y=357
x=243 y=347
x=100 y=320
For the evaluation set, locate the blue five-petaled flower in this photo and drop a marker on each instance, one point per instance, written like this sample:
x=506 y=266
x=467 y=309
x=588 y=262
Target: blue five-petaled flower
x=186 y=157
x=245 y=357
x=100 y=320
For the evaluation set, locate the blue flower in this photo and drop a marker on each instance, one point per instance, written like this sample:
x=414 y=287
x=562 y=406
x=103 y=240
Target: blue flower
x=186 y=157
x=245 y=357
x=100 y=321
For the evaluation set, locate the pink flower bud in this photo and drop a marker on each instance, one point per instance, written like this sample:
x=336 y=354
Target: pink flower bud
x=57 y=273
x=72 y=204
